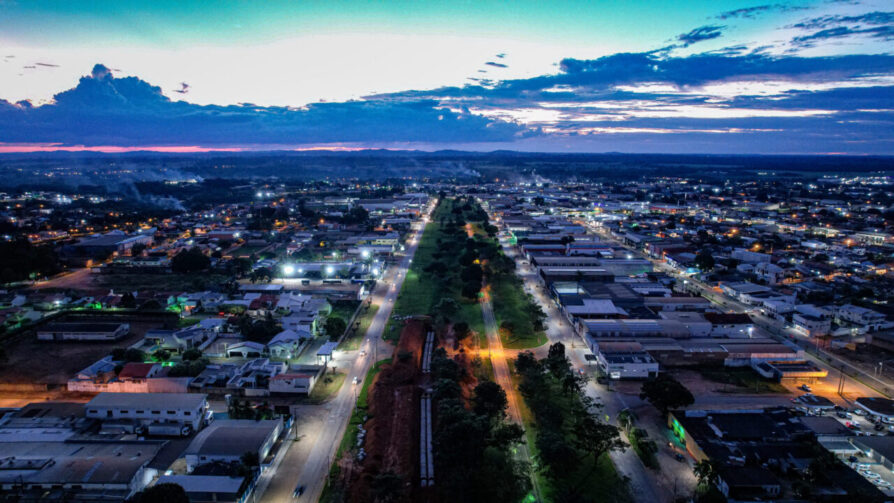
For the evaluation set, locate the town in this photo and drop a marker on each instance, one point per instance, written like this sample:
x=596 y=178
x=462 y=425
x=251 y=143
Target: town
x=659 y=335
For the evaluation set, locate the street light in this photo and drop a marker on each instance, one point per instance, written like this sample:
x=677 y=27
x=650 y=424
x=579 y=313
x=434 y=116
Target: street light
x=288 y=269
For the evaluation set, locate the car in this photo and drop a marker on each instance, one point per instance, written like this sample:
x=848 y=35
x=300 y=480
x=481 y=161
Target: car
x=679 y=457
x=879 y=427
x=362 y=354
x=298 y=491
x=355 y=380
x=859 y=412
x=804 y=387
x=843 y=414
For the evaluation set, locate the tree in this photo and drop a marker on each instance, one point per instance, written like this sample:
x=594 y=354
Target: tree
x=128 y=301
x=192 y=260
x=335 y=327
x=446 y=307
x=704 y=260
x=665 y=393
x=489 y=400
x=161 y=493
x=162 y=355
x=471 y=289
x=705 y=473
x=556 y=361
x=461 y=330
x=192 y=354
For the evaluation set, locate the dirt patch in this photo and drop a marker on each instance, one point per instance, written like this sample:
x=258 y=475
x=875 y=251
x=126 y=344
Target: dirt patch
x=392 y=440
x=51 y=362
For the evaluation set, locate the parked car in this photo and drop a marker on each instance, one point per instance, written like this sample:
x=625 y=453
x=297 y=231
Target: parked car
x=355 y=380
x=804 y=387
x=298 y=491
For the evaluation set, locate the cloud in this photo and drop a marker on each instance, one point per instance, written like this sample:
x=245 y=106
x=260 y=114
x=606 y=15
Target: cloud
x=880 y=32
x=754 y=12
x=875 y=25
x=105 y=110
x=47 y=65
x=871 y=18
x=184 y=88
x=497 y=65
x=700 y=34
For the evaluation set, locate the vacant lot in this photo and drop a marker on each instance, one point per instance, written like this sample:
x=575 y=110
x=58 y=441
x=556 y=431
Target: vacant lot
x=29 y=360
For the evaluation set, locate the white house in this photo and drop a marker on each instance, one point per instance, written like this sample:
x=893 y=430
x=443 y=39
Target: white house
x=288 y=343
x=867 y=318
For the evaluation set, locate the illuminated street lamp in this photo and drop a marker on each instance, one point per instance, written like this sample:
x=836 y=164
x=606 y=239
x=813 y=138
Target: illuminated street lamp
x=364 y=254
x=329 y=270
x=288 y=269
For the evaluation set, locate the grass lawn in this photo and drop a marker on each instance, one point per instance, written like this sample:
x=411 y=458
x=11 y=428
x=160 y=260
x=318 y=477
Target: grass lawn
x=344 y=309
x=328 y=387
x=513 y=305
x=188 y=321
x=355 y=337
x=742 y=380
x=420 y=293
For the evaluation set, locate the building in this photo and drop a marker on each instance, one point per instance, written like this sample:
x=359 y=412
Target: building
x=78 y=331
x=730 y=325
x=145 y=409
x=625 y=361
x=210 y=488
x=877 y=406
x=324 y=354
x=298 y=380
x=76 y=471
x=228 y=440
x=811 y=326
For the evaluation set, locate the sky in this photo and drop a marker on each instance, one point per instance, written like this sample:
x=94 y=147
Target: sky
x=800 y=77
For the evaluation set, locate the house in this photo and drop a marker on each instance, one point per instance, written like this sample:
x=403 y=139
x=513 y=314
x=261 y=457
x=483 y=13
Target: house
x=228 y=440
x=253 y=377
x=324 y=354
x=288 y=344
x=298 y=380
x=810 y=325
x=861 y=316
x=81 y=331
x=246 y=349
x=771 y=273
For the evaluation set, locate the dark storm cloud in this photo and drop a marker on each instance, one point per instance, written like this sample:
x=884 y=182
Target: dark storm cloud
x=105 y=110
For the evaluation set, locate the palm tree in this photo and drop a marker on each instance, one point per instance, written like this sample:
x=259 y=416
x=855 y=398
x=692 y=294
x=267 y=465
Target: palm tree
x=705 y=473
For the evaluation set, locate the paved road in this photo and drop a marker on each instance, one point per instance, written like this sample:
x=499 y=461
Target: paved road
x=644 y=486
x=501 y=375
x=308 y=465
